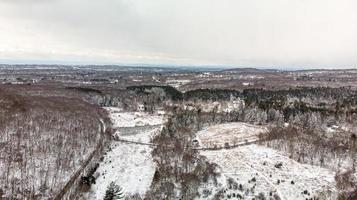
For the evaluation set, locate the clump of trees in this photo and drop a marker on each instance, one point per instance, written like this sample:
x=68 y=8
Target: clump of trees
x=211 y=94
x=85 y=89
x=89 y=178
x=180 y=170
x=170 y=92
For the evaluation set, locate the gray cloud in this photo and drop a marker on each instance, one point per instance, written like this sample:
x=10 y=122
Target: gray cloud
x=314 y=33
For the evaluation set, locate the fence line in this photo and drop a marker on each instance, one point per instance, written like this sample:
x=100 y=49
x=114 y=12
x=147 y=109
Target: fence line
x=192 y=147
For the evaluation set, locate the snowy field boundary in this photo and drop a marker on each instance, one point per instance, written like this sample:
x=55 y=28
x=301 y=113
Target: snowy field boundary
x=191 y=147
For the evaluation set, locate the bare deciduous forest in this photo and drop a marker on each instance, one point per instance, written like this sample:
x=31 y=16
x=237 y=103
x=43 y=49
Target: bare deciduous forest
x=43 y=141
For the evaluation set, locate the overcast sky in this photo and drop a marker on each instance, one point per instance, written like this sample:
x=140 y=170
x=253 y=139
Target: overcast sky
x=242 y=33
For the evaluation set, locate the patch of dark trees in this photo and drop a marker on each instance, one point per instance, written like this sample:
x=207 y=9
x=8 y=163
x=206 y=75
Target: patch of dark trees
x=211 y=94
x=266 y=98
x=171 y=92
x=85 y=89
x=89 y=178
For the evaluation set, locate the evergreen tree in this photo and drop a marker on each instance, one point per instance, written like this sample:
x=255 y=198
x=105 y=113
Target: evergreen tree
x=113 y=192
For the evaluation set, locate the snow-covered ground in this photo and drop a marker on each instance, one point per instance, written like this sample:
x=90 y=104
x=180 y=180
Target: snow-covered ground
x=132 y=119
x=247 y=171
x=255 y=170
x=129 y=165
x=231 y=133
x=258 y=167
x=176 y=83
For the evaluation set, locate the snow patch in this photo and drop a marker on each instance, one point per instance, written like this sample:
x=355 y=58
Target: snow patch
x=133 y=119
x=231 y=133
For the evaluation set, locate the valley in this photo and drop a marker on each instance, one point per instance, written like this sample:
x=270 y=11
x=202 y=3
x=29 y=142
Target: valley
x=156 y=141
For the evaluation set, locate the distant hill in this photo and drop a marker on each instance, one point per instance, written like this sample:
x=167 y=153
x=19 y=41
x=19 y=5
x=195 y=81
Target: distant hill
x=327 y=70
x=250 y=70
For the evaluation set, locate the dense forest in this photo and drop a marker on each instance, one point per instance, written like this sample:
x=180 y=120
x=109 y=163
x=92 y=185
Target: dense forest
x=43 y=141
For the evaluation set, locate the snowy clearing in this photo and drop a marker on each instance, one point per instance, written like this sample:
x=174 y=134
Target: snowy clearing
x=133 y=119
x=257 y=169
x=176 y=83
x=129 y=165
x=231 y=133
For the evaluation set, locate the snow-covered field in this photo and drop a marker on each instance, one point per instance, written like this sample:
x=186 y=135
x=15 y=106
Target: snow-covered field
x=255 y=170
x=231 y=133
x=259 y=168
x=129 y=165
x=132 y=119
x=176 y=83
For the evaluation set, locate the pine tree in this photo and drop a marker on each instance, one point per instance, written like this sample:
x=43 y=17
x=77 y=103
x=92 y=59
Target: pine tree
x=113 y=192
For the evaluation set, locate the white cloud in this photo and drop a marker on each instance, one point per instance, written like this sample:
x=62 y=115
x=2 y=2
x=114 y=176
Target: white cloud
x=310 y=33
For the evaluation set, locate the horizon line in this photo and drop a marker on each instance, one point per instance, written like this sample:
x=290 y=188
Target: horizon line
x=163 y=65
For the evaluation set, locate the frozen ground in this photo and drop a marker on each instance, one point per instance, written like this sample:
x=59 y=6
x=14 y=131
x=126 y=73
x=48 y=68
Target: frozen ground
x=252 y=171
x=128 y=165
x=249 y=172
x=257 y=167
x=176 y=83
x=231 y=133
x=132 y=119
